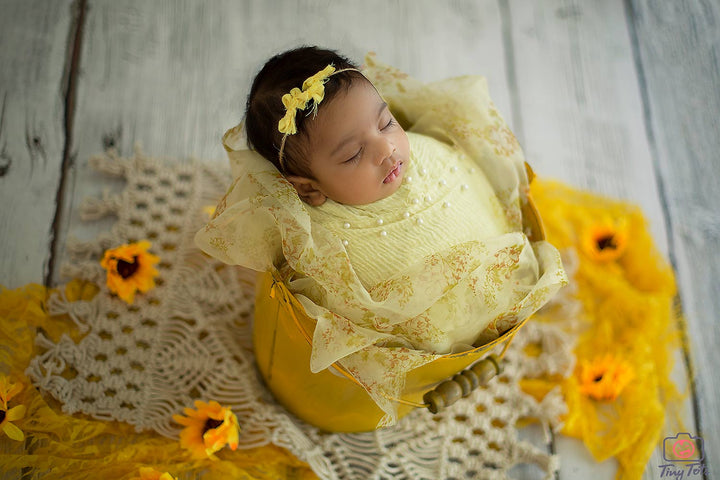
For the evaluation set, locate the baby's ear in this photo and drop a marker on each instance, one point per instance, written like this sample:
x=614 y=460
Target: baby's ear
x=307 y=190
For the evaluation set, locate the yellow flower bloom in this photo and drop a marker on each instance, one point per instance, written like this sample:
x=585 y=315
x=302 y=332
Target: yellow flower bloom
x=605 y=377
x=130 y=269
x=208 y=429
x=7 y=391
x=148 y=473
x=605 y=241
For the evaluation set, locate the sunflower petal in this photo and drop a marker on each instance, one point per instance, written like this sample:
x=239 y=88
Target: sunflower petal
x=15 y=413
x=13 y=432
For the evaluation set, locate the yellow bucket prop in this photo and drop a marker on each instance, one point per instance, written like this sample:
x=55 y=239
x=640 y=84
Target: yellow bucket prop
x=332 y=400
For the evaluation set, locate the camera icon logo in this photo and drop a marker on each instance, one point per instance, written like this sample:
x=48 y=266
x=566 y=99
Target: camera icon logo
x=683 y=447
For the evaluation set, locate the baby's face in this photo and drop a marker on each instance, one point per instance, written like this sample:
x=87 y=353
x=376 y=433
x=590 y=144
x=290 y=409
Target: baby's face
x=359 y=152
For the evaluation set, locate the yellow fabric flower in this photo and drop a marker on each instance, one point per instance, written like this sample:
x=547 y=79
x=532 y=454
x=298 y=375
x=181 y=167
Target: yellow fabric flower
x=313 y=88
x=604 y=378
x=606 y=240
x=7 y=391
x=208 y=429
x=130 y=269
x=148 y=473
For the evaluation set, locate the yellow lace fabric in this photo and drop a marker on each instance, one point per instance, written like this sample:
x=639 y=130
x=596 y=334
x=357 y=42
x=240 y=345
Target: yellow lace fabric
x=262 y=224
x=628 y=321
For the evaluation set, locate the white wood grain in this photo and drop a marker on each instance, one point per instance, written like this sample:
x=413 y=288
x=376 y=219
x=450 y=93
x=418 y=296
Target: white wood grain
x=33 y=43
x=582 y=116
x=679 y=45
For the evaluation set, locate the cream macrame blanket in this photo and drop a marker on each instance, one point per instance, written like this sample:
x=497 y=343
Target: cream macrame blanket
x=190 y=338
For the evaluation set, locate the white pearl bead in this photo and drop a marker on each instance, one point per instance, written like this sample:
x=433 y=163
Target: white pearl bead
x=453 y=169
x=380 y=221
x=423 y=171
x=442 y=182
x=464 y=186
x=406 y=214
x=383 y=233
x=446 y=204
x=428 y=198
x=420 y=221
x=346 y=243
x=408 y=179
x=415 y=201
x=346 y=225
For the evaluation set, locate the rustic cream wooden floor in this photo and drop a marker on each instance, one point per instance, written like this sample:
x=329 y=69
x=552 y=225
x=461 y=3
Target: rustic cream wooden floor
x=621 y=97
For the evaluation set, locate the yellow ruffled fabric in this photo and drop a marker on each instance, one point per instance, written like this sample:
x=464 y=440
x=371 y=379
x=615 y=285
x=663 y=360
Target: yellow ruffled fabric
x=628 y=321
x=58 y=446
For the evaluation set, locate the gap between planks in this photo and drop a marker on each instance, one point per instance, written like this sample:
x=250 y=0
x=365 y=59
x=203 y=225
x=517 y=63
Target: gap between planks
x=69 y=88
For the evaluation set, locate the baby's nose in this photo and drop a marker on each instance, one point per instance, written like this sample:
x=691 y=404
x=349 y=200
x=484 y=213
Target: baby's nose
x=385 y=151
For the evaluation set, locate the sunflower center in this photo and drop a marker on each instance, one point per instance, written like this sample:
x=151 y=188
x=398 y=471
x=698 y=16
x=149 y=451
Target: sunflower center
x=607 y=241
x=210 y=424
x=2 y=415
x=126 y=269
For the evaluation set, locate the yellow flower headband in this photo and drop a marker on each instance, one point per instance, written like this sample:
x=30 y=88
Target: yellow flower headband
x=313 y=90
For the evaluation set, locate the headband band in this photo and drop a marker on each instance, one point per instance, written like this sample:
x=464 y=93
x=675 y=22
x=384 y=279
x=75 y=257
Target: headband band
x=313 y=90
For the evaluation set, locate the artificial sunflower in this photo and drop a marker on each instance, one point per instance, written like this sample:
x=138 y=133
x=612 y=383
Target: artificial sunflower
x=208 y=429
x=7 y=391
x=148 y=473
x=130 y=269
x=606 y=240
x=604 y=378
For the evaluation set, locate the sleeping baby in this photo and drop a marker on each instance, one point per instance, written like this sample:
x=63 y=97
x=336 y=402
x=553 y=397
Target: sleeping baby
x=395 y=219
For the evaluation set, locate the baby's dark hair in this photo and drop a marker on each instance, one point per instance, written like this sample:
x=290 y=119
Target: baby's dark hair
x=264 y=109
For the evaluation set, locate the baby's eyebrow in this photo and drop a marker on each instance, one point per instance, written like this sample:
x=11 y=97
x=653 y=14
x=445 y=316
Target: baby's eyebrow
x=340 y=145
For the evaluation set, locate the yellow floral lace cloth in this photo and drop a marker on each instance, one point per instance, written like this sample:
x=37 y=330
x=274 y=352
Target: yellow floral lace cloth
x=262 y=224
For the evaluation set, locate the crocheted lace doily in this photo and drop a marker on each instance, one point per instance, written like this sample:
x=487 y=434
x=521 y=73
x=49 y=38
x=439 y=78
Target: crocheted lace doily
x=190 y=338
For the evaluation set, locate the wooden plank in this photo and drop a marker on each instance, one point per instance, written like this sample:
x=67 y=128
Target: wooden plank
x=581 y=113
x=34 y=39
x=679 y=45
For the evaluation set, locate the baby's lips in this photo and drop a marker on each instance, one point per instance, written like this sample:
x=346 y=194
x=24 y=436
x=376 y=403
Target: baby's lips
x=393 y=173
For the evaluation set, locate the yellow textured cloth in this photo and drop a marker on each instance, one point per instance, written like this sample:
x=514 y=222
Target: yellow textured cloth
x=428 y=213
x=58 y=446
x=627 y=315
x=498 y=280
